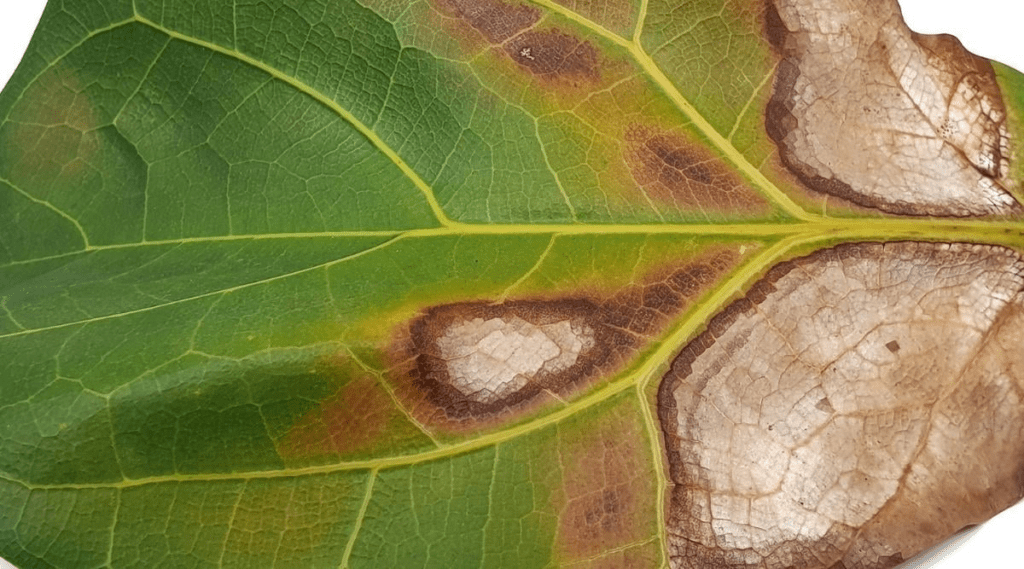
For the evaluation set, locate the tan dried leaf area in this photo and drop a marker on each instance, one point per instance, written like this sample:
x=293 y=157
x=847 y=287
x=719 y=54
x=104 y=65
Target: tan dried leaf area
x=859 y=405
x=867 y=110
x=489 y=361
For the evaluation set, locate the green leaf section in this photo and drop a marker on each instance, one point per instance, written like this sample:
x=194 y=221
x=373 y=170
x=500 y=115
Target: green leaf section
x=217 y=220
x=180 y=141
x=500 y=504
x=1011 y=82
x=120 y=281
x=244 y=373
x=232 y=523
x=686 y=41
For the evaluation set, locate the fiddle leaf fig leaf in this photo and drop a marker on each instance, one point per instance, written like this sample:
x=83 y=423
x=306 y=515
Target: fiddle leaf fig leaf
x=505 y=283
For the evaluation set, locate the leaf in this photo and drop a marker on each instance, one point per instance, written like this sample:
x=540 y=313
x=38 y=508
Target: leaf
x=482 y=283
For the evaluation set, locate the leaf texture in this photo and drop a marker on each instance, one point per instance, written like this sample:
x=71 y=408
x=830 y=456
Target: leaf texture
x=490 y=283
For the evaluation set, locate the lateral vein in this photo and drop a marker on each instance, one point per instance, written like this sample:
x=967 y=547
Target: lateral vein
x=371 y=136
x=647 y=64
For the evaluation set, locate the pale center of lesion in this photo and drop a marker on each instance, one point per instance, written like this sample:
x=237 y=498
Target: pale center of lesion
x=489 y=360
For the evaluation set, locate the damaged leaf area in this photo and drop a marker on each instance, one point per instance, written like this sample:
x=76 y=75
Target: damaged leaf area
x=849 y=390
x=492 y=360
x=864 y=109
x=505 y=284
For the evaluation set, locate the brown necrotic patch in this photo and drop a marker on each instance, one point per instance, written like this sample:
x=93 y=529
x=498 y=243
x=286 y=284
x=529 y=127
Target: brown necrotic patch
x=866 y=110
x=477 y=358
x=482 y=360
x=496 y=20
x=672 y=169
x=609 y=492
x=857 y=406
x=555 y=55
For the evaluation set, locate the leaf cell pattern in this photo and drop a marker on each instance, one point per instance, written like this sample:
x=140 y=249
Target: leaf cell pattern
x=848 y=390
x=434 y=283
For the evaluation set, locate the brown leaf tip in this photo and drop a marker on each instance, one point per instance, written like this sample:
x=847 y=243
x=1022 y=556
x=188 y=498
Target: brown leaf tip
x=671 y=169
x=864 y=109
x=859 y=405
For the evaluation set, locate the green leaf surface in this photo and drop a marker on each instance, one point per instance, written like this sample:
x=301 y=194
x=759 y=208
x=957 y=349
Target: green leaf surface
x=240 y=238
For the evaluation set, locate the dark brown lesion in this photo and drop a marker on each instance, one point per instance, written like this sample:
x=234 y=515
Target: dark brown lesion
x=496 y=20
x=775 y=30
x=430 y=373
x=615 y=327
x=672 y=169
x=551 y=54
x=554 y=54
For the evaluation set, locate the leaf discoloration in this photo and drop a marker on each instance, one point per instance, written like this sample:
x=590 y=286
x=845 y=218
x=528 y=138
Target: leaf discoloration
x=378 y=283
x=866 y=110
x=489 y=361
x=495 y=19
x=608 y=498
x=438 y=370
x=799 y=433
x=555 y=55
x=672 y=169
x=354 y=422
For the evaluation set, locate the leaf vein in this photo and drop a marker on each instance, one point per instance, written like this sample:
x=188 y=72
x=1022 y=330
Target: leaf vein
x=394 y=399
x=50 y=206
x=746 y=106
x=323 y=99
x=358 y=525
x=206 y=294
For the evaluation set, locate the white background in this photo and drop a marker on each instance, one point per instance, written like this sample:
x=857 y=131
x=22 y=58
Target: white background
x=990 y=28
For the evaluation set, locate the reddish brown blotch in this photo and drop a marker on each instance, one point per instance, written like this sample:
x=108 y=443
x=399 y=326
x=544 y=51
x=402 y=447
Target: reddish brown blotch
x=610 y=495
x=357 y=420
x=672 y=169
x=497 y=21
